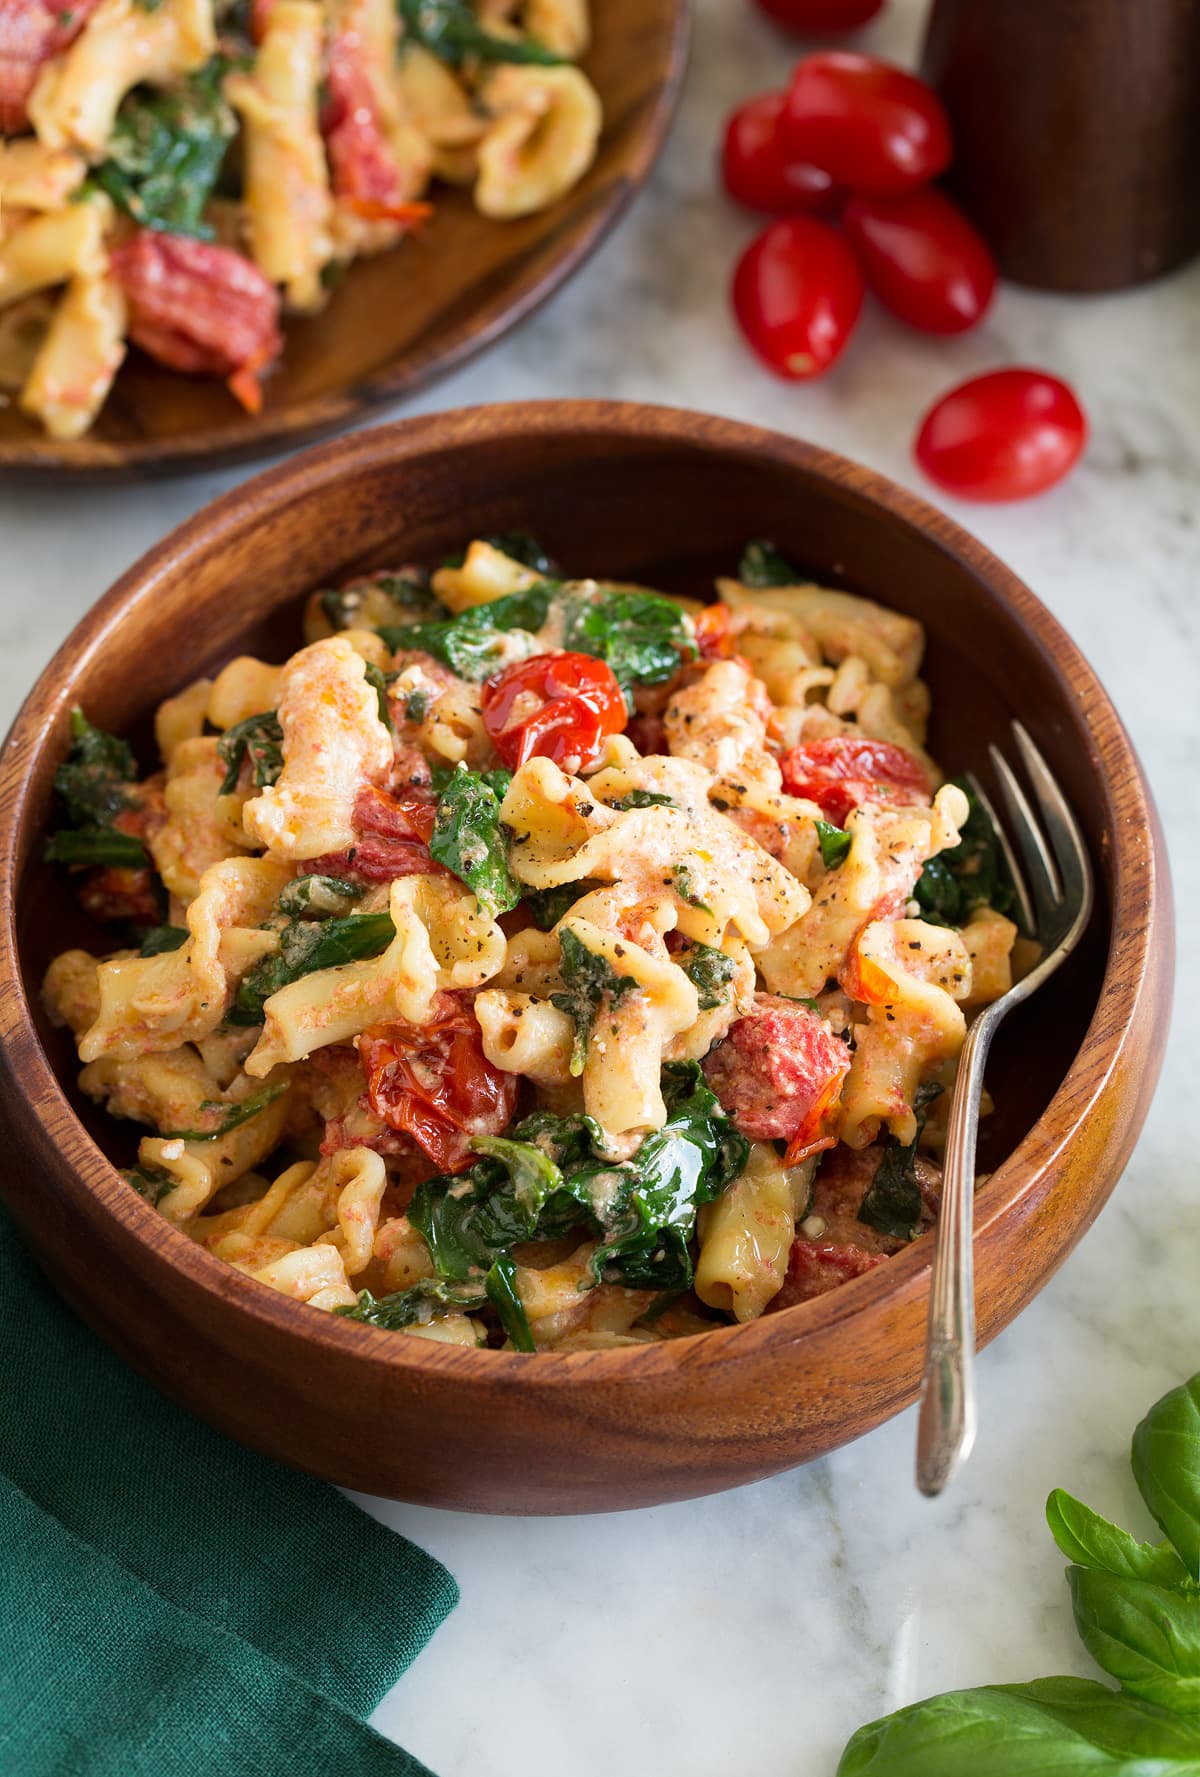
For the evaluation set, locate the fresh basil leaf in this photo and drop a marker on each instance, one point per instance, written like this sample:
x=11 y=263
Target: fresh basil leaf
x=471 y=644
x=469 y=839
x=762 y=566
x=304 y=947
x=710 y=971
x=1147 y=1636
x=590 y=982
x=165 y=152
x=892 y=1204
x=835 y=842
x=229 y=1115
x=1091 y=1541
x=1055 y=1727
x=157 y=940
x=426 y=1300
x=91 y=846
x=1166 y=1467
x=450 y=30
x=505 y=1297
x=643 y=799
x=324 y=896
x=642 y=636
x=257 y=741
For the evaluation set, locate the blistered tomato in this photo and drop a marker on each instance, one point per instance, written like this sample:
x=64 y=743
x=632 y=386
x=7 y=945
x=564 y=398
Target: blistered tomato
x=558 y=706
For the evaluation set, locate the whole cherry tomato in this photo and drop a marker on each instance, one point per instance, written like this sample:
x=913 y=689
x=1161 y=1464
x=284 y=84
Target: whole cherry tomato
x=1002 y=436
x=797 y=293
x=554 y=706
x=842 y=771
x=822 y=15
x=758 y=173
x=433 y=1082
x=870 y=125
x=923 y=259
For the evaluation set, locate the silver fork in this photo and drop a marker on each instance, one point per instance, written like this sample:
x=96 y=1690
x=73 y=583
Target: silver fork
x=1059 y=874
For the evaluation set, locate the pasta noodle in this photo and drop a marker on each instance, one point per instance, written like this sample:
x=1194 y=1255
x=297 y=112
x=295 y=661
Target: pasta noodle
x=478 y=1021
x=191 y=169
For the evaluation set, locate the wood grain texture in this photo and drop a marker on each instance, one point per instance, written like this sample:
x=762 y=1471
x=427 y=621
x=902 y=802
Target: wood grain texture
x=669 y=498
x=398 y=321
x=1076 y=133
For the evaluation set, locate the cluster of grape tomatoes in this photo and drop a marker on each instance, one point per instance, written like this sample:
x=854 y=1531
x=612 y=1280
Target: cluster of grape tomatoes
x=844 y=159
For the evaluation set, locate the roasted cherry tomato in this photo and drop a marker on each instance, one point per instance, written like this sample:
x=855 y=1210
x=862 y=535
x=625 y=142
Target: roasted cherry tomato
x=871 y=126
x=758 y=173
x=433 y=1082
x=554 y=706
x=1002 y=436
x=842 y=771
x=797 y=293
x=923 y=259
x=822 y=15
x=712 y=632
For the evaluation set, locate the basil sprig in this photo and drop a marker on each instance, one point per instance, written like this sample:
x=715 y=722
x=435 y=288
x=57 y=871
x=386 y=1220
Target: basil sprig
x=1137 y=1609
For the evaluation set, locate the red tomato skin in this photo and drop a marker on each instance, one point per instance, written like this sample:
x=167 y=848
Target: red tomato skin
x=758 y=174
x=558 y=706
x=923 y=259
x=822 y=15
x=797 y=294
x=433 y=1082
x=842 y=772
x=871 y=126
x=1003 y=436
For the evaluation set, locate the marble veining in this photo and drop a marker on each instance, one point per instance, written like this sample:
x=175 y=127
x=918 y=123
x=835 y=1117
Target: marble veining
x=754 y=1631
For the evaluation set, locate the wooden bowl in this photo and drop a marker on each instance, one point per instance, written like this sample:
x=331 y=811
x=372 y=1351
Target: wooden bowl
x=398 y=321
x=633 y=493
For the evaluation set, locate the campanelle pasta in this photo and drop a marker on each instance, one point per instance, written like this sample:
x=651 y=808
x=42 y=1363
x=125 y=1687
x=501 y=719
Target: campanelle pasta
x=186 y=171
x=536 y=961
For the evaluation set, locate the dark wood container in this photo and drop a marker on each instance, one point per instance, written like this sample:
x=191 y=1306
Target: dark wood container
x=1077 y=133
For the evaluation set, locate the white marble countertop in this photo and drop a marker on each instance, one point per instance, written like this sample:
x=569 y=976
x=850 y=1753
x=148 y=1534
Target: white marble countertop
x=756 y=1630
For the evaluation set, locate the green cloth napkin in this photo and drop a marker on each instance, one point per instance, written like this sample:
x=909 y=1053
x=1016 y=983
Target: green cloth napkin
x=170 y=1603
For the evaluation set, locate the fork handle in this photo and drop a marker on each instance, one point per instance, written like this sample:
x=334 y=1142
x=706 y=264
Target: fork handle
x=947 y=1419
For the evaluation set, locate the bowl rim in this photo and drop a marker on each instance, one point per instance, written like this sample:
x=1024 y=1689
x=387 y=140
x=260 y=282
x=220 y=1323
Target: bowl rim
x=1138 y=878
x=245 y=437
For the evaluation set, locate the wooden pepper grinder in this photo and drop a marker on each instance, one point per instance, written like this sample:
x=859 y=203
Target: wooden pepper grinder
x=1077 y=133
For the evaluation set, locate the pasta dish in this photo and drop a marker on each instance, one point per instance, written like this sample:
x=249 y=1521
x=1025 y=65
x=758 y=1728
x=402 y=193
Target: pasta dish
x=538 y=962
x=181 y=173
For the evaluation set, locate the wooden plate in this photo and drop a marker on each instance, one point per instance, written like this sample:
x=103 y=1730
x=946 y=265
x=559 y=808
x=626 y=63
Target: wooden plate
x=628 y=493
x=398 y=321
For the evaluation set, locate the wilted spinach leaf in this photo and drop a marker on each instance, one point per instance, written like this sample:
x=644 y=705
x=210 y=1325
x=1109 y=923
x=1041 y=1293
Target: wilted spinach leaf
x=258 y=741
x=590 y=982
x=893 y=1200
x=643 y=799
x=548 y=906
x=225 y=1116
x=450 y=30
x=158 y=939
x=321 y=896
x=165 y=152
x=710 y=971
x=469 y=839
x=305 y=946
x=90 y=846
x=971 y=874
x=762 y=566
x=642 y=636
x=470 y=644
x=96 y=783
